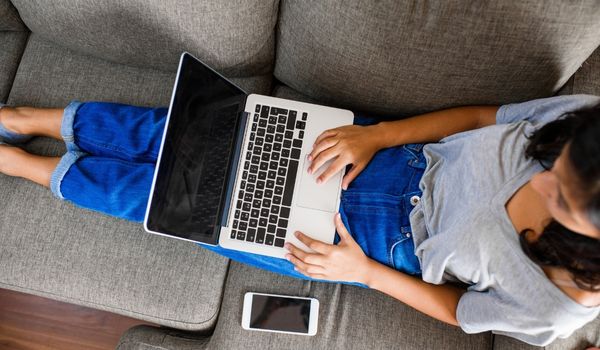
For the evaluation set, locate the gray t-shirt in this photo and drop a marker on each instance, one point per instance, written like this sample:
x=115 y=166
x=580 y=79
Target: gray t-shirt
x=462 y=231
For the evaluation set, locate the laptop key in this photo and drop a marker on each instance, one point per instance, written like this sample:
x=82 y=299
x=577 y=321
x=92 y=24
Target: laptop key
x=301 y=134
x=291 y=121
x=273 y=120
x=254 y=213
x=297 y=143
x=250 y=235
x=284 y=212
x=287 y=144
x=239 y=204
x=300 y=125
x=282 y=223
x=264 y=111
x=270 y=183
x=277 y=200
x=271 y=129
x=281 y=232
x=275 y=209
x=262 y=123
x=285 y=153
x=289 y=183
x=260 y=132
x=235 y=224
x=282 y=120
x=295 y=153
x=245 y=216
x=272 y=174
x=268 y=193
x=278 y=137
x=264 y=212
x=271 y=228
x=241 y=235
x=267 y=147
x=279 y=242
x=269 y=138
x=252 y=223
x=260 y=235
x=263 y=222
x=262 y=175
x=269 y=240
x=257 y=109
x=264 y=166
x=260 y=185
x=280 y=128
x=252 y=178
x=273 y=219
x=281 y=171
x=246 y=206
x=233 y=234
x=304 y=115
x=278 y=190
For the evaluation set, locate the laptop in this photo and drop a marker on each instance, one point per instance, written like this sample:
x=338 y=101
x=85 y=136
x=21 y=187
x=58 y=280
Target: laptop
x=232 y=167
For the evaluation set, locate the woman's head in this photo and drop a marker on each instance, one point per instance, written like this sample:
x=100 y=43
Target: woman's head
x=569 y=149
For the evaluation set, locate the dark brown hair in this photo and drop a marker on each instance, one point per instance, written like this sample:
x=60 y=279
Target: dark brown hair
x=558 y=246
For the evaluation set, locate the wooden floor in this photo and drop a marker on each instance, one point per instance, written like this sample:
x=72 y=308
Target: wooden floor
x=30 y=322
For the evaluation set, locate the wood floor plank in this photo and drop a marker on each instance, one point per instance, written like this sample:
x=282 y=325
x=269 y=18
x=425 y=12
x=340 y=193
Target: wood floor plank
x=30 y=322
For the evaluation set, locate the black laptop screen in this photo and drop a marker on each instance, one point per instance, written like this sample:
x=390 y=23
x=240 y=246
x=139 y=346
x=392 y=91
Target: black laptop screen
x=193 y=175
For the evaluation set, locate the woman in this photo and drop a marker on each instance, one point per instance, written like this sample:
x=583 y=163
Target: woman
x=505 y=200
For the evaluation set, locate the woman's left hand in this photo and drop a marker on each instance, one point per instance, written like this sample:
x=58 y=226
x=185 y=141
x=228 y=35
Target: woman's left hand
x=342 y=262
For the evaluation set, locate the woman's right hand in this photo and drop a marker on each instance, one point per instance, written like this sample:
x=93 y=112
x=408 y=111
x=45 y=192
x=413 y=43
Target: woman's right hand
x=350 y=144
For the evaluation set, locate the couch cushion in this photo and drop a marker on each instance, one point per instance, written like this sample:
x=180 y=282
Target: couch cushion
x=10 y=17
x=587 y=78
x=54 y=249
x=349 y=318
x=236 y=37
x=406 y=57
x=13 y=44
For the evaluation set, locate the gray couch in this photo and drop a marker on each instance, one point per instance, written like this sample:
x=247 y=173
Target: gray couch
x=387 y=58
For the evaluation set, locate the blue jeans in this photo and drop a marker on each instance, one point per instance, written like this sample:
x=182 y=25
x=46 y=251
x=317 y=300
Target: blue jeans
x=109 y=168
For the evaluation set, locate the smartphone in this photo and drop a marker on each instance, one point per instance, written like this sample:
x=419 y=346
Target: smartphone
x=280 y=313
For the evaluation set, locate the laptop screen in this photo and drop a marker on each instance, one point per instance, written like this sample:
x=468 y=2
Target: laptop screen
x=191 y=184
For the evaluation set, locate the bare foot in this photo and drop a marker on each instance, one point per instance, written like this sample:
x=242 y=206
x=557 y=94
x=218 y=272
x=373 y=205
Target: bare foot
x=16 y=162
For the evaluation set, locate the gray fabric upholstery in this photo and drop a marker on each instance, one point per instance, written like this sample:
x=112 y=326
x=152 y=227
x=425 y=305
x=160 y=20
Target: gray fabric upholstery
x=13 y=44
x=405 y=57
x=580 y=340
x=152 y=338
x=350 y=318
x=53 y=249
x=9 y=17
x=236 y=37
x=587 y=79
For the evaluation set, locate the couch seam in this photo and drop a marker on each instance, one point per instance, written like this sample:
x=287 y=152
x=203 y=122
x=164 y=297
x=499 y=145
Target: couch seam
x=14 y=76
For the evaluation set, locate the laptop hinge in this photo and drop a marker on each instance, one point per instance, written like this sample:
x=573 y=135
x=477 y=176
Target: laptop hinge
x=234 y=164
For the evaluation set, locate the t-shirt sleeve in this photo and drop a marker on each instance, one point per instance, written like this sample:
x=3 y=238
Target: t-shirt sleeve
x=486 y=311
x=544 y=110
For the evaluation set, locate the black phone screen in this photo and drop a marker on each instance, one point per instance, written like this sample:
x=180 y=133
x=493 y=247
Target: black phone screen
x=280 y=314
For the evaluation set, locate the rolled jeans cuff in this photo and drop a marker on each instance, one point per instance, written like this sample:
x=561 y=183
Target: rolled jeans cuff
x=59 y=173
x=66 y=128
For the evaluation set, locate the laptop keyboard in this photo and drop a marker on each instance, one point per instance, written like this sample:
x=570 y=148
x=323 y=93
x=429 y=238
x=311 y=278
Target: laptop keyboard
x=270 y=165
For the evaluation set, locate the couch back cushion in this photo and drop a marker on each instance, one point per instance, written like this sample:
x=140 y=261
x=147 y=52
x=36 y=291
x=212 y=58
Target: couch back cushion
x=404 y=57
x=235 y=36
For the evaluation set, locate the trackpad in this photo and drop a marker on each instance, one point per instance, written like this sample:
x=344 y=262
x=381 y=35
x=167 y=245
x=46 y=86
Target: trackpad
x=322 y=196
